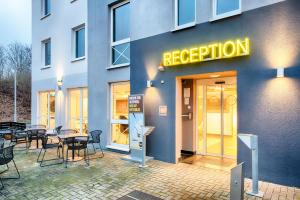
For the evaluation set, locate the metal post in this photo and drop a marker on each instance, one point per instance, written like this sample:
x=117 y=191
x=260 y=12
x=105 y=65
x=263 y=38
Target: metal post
x=254 y=152
x=143 y=163
x=15 y=96
x=254 y=165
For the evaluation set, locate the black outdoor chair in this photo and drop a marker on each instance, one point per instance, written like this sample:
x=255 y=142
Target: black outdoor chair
x=6 y=156
x=95 y=138
x=57 y=130
x=34 y=132
x=46 y=146
x=75 y=144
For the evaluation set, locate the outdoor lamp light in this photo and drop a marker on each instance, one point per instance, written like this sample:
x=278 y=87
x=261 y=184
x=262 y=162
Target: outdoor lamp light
x=59 y=83
x=280 y=72
x=161 y=67
x=149 y=83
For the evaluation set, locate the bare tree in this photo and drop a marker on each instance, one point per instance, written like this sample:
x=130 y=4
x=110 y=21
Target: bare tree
x=19 y=57
x=2 y=62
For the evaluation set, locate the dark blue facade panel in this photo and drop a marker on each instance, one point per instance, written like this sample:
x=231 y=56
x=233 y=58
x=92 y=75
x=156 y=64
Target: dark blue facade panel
x=267 y=106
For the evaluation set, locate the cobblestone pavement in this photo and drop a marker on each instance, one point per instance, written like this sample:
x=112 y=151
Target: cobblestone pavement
x=111 y=178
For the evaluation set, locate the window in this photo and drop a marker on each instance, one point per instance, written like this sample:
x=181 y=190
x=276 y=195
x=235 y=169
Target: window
x=119 y=114
x=46 y=52
x=78 y=109
x=46 y=7
x=46 y=111
x=120 y=35
x=79 y=42
x=185 y=13
x=226 y=8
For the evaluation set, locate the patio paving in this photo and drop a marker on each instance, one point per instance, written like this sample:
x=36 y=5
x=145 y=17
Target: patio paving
x=112 y=178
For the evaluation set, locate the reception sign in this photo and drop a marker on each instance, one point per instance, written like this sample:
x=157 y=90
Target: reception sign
x=213 y=51
x=136 y=120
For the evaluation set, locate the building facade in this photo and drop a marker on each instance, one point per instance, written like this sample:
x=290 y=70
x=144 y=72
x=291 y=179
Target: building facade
x=59 y=64
x=216 y=69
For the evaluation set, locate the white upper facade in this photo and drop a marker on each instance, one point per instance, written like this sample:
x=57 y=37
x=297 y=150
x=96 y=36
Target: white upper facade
x=58 y=22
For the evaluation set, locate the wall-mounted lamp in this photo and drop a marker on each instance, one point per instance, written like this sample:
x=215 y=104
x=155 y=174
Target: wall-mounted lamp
x=149 y=83
x=161 y=67
x=59 y=84
x=280 y=72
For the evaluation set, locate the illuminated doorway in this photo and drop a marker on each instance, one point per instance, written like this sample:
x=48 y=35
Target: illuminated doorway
x=78 y=109
x=119 y=137
x=46 y=109
x=216 y=121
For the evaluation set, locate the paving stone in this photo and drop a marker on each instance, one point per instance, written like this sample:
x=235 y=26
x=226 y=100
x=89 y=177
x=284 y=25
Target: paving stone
x=111 y=178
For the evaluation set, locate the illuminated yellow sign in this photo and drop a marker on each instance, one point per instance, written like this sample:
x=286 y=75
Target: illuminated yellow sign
x=214 y=51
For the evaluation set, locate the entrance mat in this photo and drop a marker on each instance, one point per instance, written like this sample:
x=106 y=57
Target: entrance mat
x=138 y=195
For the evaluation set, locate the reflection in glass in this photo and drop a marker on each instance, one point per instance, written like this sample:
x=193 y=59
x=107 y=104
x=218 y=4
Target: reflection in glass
x=200 y=119
x=78 y=106
x=213 y=119
x=121 y=22
x=186 y=11
x=230 y=120
x=121 y=54
x=119 y=132
x=80 y=43
x=224 y=6
x=47 y=109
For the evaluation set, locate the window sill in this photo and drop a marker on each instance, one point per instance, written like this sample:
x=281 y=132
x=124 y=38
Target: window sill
x=118 y=66
x=78 y=59
x=226 y=15
x=45 y=16
x=124 y=149
x=46 y=67
x=185 y=26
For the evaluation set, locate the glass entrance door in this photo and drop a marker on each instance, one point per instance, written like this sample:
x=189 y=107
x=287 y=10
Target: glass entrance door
x=217 y=117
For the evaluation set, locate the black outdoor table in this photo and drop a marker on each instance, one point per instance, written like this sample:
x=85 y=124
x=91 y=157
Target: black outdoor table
x=73 y=137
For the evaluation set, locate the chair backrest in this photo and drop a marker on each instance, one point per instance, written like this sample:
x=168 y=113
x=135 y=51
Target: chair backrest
x=12 y=125
x=67 y=131
x=44 y=139
x=6 y=154
x=38 y=126
x=57 y=130
x=96 y=136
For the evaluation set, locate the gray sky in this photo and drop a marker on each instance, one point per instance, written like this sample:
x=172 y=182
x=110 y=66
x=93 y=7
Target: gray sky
x=15 y=21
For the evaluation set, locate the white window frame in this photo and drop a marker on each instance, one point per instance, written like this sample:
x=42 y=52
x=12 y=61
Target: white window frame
x=112 y=145
x=80 y=107
x=215 y=16
x=73 y=46
x=43 y=53
x=187 y=25
x=112 y=43
x=38 y=107
x=43 y=15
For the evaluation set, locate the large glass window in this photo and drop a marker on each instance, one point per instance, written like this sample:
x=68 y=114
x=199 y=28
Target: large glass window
x=47 y=52
x=120 y=38
x=119 y=113
x=226 y=8
x=186 y=12
x=80 y=42
x=47 y=109
x=78 y=109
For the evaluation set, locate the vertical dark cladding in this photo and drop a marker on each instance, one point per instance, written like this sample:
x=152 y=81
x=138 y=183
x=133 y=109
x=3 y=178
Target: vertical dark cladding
x=267 y=106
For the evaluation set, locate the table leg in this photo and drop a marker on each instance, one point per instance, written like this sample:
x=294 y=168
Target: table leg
x=73 y=151
x=37 y=143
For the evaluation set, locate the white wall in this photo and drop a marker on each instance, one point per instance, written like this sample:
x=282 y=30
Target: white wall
x=58 y=26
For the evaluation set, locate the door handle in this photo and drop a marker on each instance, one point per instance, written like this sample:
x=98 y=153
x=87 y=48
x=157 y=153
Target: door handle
x=189 y=115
